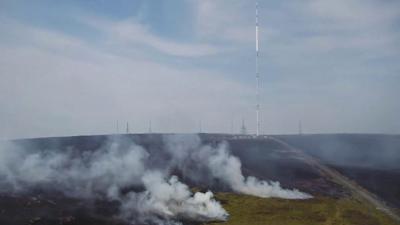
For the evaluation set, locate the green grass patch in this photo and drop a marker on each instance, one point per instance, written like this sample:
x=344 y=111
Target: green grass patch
x=250 y=210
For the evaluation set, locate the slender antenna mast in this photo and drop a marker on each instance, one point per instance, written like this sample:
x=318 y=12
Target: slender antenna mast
x=150 y=130
x=300 y=128
x=200 y=127
x=243 y=129
x=257 y=76
x=231 y=126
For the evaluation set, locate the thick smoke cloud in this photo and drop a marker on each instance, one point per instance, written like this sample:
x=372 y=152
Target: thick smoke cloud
x=171 y=198
x=218 y=162
x=77 y=174
x=228 y=168
x=141 y=181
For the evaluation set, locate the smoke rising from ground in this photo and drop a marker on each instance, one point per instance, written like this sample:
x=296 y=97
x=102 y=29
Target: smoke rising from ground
x=218 y=162
x=228 y=168
x=155 y=195
x=103 y=174
x=171 y=198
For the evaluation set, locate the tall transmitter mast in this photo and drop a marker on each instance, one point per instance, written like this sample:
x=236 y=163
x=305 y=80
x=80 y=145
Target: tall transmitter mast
x=257 y=76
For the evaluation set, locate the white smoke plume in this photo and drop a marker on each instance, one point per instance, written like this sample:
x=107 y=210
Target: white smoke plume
x=77 y=174
x=108 y=172
x=189 y=153
x=227 y=167
x=171 y=198
x=103 y=174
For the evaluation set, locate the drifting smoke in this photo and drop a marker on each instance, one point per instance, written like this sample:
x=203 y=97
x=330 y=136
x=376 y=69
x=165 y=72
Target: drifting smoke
x=228 y=168
x=218 y=163
x=168 y=199
x=109 y=171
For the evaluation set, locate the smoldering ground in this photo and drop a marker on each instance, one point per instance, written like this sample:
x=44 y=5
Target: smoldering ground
x=141 y=180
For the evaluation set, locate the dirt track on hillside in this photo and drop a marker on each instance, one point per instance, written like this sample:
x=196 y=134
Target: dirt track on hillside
x=357 y=190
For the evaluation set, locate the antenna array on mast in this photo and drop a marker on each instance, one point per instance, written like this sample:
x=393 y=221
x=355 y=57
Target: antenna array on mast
x=257 y=76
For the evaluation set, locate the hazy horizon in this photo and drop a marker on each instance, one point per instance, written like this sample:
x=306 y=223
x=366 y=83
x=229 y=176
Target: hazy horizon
x=77 y=67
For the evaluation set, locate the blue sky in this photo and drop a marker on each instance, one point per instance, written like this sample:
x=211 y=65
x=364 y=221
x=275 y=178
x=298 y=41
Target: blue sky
x=76 y=67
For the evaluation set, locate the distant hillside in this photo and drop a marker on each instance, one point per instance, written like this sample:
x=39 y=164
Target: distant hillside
x=265 y=158
x=373 y=160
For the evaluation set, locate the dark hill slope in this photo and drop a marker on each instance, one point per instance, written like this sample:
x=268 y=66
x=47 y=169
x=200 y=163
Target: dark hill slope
x=262 y=158
x=371 y=160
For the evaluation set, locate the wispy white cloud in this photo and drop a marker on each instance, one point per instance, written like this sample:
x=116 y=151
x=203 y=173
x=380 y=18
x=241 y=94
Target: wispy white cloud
x=319 y=60
x=53 y=84
x=354 y=14
x=224 y=20
x=130 y=31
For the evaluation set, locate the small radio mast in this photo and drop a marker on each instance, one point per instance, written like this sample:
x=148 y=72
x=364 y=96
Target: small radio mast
x=231 y=125
x=150 y=129
x=300 y=128
x=243 y=129
x=200 y=126
x=257 y=76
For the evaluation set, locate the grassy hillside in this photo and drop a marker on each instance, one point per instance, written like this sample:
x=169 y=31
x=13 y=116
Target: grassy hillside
x=244 y=209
